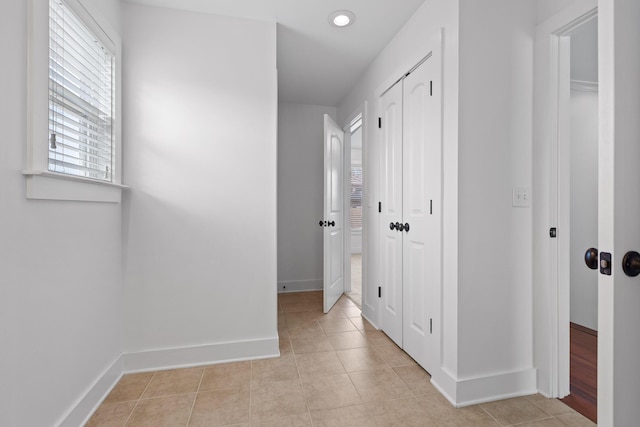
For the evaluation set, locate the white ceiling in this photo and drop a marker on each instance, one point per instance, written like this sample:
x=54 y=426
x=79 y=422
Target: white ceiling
x=317 y=63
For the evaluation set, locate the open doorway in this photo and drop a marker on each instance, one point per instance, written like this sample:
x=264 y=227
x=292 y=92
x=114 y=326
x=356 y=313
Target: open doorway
x=356 y=199
x=578 y=205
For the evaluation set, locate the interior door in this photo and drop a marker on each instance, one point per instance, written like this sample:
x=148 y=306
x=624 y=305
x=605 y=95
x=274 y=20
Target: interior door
x=333 y=238
x=391 y=213
x=422 y=171
x=619 y=211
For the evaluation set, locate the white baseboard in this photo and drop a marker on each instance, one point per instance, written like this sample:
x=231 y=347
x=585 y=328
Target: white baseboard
x=158 y=360
x=93 y=397
x=472 y=391
x=174 y=358
x=300 y=285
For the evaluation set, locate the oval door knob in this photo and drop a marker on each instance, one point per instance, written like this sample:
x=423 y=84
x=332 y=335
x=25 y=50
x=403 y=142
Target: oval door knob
x=591 y=258
x=398 y=225
x=401 y=227
x=392 y=226
x=631 y=263
x=321 y=223
x=332 y=223
x=406 y=227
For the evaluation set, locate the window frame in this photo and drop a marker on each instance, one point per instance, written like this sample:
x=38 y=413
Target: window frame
x=40 y=182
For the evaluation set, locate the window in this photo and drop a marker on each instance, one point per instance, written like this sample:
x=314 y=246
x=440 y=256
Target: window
x=74 y=115
x=80 y=97
x=356 y=198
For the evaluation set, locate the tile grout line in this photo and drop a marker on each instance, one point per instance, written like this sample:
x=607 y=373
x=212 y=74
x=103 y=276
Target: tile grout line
x=195 y=397
x=139 y=399
x=251 y=388
x=295 y=360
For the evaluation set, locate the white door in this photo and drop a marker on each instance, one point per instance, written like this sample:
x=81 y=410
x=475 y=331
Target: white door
x=422 y=171
x=333 y=213
x=391 y=213
x=619 y=212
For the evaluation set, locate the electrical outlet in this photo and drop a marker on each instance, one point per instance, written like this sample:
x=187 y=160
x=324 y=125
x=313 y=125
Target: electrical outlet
x=521 y=197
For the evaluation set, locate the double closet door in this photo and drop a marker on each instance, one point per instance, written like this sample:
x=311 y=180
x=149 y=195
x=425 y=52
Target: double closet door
x=411 y=187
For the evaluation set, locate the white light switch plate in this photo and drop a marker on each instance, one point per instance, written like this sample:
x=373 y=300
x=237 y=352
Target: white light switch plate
x=521 y=196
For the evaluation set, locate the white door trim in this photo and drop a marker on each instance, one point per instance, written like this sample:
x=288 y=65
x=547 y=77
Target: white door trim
x=551 y=158
x=366 y=203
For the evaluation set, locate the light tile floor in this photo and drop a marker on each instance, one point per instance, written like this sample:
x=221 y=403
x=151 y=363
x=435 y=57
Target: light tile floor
x=356 y=279
x=334 y=370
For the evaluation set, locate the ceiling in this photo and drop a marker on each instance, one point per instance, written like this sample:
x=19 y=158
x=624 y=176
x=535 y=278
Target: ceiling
x=317 y=63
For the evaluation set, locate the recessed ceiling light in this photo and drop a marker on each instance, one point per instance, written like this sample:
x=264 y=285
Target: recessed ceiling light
x=342 y=18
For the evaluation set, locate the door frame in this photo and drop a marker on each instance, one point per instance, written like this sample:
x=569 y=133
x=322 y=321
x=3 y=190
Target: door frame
x=551 y=157
x=361 y=110
x=561 y=192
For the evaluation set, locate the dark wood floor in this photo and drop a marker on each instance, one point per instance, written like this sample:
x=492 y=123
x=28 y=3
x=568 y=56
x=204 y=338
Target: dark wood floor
x=584 y=377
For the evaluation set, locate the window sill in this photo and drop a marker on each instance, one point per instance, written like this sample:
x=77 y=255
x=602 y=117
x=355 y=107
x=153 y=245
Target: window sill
x=45 y=185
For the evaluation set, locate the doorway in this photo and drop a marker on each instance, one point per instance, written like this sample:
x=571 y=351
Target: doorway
x=578 y=127
x=356 y=208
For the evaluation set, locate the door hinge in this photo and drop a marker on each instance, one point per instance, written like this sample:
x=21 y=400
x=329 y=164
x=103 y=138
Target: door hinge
x=553 y=232
x=430 y=326
x=379 y=291
x=380 y=207
x=431 y=87
x=379 y=122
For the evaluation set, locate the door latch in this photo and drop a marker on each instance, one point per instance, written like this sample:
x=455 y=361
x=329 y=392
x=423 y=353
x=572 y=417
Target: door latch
x=605 y=263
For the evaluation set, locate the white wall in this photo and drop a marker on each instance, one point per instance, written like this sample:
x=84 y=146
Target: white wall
x=200 y=219
x=61 y=286
x=548 y=8
x=300 y=195
x=495 y=273
x=487 y=248
x=584 y=206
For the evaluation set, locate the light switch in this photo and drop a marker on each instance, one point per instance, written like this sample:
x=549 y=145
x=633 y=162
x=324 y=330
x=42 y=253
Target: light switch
x=521 y=197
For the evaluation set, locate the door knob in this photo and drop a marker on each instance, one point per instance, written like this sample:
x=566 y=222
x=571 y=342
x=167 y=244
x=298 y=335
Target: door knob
x=332 y=223
x=591 y=258
x=392 y=226
x=406 y=227
x=631 y=263
x=398 y=226
x=401 y=227
x=321 y=222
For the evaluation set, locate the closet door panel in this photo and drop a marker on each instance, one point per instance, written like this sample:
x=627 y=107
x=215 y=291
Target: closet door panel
x=421 y=202
x=391 y=200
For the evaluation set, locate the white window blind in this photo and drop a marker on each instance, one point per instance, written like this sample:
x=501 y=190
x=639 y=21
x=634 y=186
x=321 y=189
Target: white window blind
x=356 y=197
x=81 y=93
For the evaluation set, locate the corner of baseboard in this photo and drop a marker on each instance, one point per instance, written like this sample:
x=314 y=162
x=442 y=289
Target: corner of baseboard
x=489 y=388
x=84 y=408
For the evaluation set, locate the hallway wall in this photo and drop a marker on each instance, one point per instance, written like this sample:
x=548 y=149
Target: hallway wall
x=61 y=284
x=487 y=125
x=406 y=49
x=300 y=195
x=200 y=219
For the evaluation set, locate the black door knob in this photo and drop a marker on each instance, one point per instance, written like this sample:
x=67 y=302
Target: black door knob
x=392 y=226
x=321 y=222
x=332 y=223
x=631 y=263
x=591 y=258
x=401 y=227
x=406 y=227
x=398 y=225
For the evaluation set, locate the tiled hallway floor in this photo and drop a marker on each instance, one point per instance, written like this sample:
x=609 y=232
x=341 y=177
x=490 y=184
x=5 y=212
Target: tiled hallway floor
x=334 y=370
